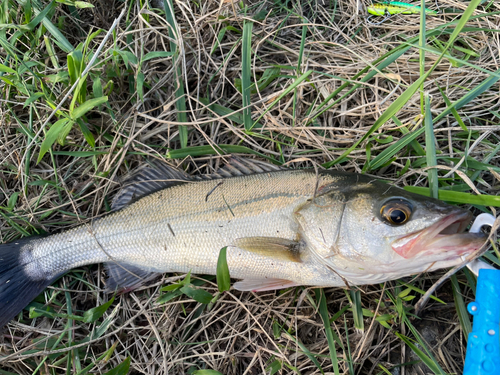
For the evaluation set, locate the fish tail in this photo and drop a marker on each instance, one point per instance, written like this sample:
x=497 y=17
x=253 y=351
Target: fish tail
x=21 y=277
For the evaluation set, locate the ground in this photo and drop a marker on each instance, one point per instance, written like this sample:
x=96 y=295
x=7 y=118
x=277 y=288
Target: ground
x=284 y=81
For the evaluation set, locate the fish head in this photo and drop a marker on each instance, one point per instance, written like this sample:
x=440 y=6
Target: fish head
x=371 y=232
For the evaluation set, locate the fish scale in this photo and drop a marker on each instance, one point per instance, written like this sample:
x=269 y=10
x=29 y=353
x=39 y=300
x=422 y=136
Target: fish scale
x=262 y=206
x=281 y=228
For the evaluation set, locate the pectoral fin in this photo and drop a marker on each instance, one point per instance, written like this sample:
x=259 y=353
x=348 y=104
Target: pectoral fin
x=272 y=247
x=261 y=285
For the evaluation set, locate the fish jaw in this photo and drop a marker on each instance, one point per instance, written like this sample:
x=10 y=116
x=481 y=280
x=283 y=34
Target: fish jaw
x=447 y=235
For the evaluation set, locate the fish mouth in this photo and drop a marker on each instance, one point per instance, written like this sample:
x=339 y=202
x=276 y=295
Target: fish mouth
x=446 y=235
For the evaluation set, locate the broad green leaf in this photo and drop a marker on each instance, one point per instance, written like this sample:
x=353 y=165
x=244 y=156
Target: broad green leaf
x=61 y=137
x=223 y=278
x=90 y=316
x=51 y=137
x=199 y=295
x=140 y=85
x=156 y=54
x=87 y=106
x=75 y=60
x=97 y=87
x=33 y=98
x=274 y=367
x=89 y=137
x=13 y=200
x=128 y=57
x=83 y=4
x=6 y=69
x=164 y=298
x=121 y=369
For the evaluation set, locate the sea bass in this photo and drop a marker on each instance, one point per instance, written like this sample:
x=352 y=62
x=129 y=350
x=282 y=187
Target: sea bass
x=281 y=227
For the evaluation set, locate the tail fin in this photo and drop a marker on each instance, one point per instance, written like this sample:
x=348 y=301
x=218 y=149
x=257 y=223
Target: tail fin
x=21 y=280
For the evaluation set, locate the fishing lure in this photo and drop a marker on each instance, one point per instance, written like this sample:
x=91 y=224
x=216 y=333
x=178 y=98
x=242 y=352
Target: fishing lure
x=397 y=7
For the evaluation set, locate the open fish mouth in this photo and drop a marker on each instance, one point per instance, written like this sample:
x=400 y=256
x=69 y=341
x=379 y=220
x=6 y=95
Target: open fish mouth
x=446 y=235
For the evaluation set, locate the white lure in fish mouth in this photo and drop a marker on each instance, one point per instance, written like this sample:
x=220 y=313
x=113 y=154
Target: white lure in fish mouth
x=446 y=235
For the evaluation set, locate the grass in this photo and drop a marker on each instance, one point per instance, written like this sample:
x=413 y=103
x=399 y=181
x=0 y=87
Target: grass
x=412 y=100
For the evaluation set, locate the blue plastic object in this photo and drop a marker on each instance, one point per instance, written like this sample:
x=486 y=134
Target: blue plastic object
x=483 y=347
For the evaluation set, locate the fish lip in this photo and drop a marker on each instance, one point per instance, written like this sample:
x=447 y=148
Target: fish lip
x=446 y=235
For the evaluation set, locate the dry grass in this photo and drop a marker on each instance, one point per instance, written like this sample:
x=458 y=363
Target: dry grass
x=241 y=333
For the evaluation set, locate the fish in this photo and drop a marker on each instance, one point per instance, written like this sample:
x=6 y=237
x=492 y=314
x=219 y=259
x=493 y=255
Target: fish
x=281 y=228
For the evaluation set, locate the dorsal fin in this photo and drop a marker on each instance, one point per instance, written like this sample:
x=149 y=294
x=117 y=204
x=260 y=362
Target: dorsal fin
x=146 y=180
x=156 y=176
x=241 y=166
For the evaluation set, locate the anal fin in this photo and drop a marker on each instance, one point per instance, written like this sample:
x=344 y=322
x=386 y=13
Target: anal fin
x=261 y=285
x=125 y=277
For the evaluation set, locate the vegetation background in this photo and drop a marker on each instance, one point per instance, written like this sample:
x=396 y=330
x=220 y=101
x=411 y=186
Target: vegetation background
x=85 y=99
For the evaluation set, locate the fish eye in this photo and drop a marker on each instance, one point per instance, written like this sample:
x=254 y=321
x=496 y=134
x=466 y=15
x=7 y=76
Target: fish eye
x=396 y=212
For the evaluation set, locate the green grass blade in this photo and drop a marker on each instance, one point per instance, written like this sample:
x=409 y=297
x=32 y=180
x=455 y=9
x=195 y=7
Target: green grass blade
x=421 y=51
x=246 y=64
x=432 y=364
x=157 y=54
x=458 y=197
x=87 y=106
x=323 y=311
x=121 y=369
x=453 y=110
x=305 y=351
x=430 y=149
x=471 y=95
x=178 y=78
x=382 y=62
x=290 y=88
x=389 y=112
x=61 y=40
x=51 y=137
x=357 y=309
x=463 y=314
x=214 y=150
x=408 y=93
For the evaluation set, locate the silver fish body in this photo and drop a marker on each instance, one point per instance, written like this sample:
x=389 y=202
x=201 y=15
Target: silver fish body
x=281 y=228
